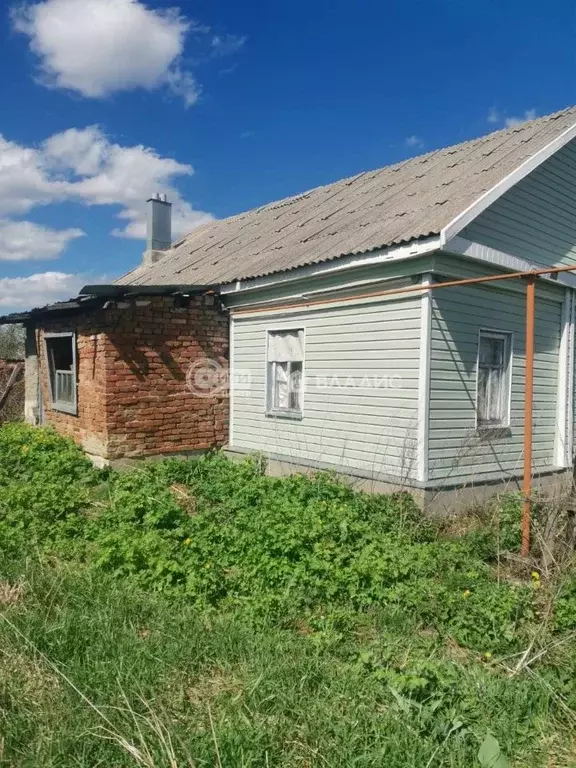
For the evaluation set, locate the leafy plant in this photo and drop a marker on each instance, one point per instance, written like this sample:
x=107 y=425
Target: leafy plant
x=319 y=624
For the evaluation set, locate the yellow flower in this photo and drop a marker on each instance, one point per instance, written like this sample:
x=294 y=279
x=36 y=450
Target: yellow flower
x=535 y=576
x=487 y=655
x=187 y=541
x=466 y=593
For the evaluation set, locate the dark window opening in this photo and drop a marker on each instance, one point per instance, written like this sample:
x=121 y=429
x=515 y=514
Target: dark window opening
x=61 y=354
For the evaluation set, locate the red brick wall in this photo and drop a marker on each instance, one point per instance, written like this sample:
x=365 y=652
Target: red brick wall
x=133 y=397
x=89 y=427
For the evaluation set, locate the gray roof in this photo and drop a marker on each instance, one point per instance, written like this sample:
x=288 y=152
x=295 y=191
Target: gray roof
x=402 y=202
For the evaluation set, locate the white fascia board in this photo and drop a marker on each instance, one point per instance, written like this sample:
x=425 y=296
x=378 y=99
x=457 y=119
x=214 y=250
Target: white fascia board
x=564 y=402
x=490 y=196
x=231 y=382
x=342 y=264
x=460 y=246
x=424 y=379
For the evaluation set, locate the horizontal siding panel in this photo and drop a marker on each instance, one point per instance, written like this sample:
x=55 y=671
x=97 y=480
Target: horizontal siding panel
x=331 y=397
x=337 y=414
x=536 y=219
x=456 y=452
x=351 y=426
x=351 y=454
x=332 y=439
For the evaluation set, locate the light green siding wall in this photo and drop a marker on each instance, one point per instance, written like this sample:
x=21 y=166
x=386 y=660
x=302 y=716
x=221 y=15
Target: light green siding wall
x=345 y=424
x=536 y=219
x=457 y=452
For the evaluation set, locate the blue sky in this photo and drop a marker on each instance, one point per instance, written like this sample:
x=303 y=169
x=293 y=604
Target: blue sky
x=227 y=105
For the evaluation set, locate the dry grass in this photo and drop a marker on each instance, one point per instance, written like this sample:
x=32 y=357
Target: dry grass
x=23 y=676
x=184 y=498
x=13 y=408
x=11 y=594
x=559 y=754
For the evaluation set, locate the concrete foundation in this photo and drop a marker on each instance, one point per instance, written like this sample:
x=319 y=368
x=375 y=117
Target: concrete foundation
x=436 y=499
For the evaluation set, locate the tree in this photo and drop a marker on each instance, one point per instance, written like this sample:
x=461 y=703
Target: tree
x=12 y=342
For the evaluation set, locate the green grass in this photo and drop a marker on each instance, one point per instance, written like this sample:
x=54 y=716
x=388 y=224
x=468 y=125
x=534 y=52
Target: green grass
x=332 y=629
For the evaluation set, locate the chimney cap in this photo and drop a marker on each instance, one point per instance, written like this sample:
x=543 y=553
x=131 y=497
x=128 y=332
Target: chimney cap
x=159 y=198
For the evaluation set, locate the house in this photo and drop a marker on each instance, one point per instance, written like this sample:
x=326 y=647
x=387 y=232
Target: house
x=331 y=311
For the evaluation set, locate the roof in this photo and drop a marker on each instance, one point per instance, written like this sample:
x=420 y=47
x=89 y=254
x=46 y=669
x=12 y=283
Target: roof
x=407 y=201
x=95 y=296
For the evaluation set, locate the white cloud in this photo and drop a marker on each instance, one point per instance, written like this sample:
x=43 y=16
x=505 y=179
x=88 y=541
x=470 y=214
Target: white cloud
x=496 y=116
x=84 y=166
x=100 y=47
x=38 y=290
x=529 y=114
x=226 y=45
x=104 y=173
x=23 y=240
x=414 y=141
x=23 y=181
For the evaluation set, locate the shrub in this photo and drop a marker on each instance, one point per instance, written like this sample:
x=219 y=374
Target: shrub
x=565 y=605
x=45 y=483
x=26 y=453
x=224 y=534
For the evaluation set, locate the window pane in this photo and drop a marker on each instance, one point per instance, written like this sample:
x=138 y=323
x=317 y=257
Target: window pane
x=281 y=386
x=492 y=382
x=491 y=351
x=296 y=386
x=285 y=369
x=495 y=390
x=482 y=394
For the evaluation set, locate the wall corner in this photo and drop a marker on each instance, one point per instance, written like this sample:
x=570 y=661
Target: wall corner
x=424 y=379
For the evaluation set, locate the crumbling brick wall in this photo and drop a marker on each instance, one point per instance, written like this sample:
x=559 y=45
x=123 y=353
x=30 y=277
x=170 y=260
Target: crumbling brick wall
x=88 y=427
x=133 y=395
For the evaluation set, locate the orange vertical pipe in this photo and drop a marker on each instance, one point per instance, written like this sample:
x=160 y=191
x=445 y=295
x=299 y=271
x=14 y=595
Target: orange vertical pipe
x=528 y=415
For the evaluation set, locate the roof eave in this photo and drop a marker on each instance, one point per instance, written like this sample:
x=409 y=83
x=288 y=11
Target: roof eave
x=464 y=218
x=92 y=296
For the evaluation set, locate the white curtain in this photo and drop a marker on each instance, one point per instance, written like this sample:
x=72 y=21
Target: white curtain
x=285 y=347
x=282 y=399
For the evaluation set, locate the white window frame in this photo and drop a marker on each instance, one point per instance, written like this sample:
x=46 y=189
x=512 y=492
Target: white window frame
x=56 y=405
x=286 y=413
x=508 y=338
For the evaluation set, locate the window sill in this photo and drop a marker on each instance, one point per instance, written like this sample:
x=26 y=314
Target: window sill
x=291 y=415
x=71 y=410
x=487 y=432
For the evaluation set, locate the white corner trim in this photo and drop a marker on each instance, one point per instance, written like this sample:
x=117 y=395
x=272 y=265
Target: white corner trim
x=341 y=264
x=424 y=380
x=231 y=385
x=466 y=216
x=464 y=247
x=565 y=393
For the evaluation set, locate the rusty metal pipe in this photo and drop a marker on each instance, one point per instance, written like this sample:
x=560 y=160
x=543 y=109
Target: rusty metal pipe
x=302 y=304
x=528 y=414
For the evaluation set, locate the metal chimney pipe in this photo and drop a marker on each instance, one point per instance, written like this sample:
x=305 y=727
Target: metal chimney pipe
x=158 y=228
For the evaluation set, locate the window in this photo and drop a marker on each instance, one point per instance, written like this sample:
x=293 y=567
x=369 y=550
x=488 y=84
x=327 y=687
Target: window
x=61 y=356
x=285 y=373
x=493 y=379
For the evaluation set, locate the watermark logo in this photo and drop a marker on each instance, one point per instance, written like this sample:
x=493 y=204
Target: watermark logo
x=206 y=378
